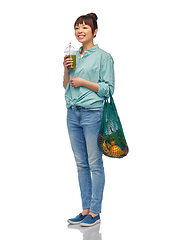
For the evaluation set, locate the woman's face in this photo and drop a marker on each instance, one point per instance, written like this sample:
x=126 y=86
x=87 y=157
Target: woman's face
x=83 y=33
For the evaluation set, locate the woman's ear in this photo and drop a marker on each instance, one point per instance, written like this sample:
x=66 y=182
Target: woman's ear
x=95 y=32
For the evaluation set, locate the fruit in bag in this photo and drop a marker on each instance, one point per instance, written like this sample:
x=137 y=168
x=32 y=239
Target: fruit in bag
x=125 y=150
x=113 y=142
x=105 y=149
x=100 y=139
x=111 y=139
x=115 y=151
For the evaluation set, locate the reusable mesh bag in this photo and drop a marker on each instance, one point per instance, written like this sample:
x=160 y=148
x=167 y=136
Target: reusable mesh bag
x=111 y=139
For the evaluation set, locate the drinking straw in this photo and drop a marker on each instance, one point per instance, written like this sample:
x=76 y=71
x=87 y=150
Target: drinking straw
x=69 y=48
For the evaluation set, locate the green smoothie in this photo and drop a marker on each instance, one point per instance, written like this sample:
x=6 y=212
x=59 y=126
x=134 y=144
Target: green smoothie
x=73 y=57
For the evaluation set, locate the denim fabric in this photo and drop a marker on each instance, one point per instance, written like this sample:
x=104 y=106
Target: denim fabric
x=83 y=127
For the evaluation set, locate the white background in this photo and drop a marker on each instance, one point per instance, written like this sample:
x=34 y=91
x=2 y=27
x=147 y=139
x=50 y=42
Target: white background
x=38 y=177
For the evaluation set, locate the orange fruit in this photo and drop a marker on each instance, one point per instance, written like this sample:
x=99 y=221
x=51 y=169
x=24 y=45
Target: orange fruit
x=115 y=151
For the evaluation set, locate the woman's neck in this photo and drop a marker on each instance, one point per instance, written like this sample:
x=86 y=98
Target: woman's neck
x=86 y=46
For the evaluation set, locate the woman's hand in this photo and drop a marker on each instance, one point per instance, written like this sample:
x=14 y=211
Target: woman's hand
x=76 y=82
x=67 y=62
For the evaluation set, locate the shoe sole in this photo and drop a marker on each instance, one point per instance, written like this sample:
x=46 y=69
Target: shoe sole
x=73 y=223
x=90 y=224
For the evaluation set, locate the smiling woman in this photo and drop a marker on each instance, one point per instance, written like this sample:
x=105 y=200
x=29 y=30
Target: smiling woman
x=85 y=34
x=87 y=86
x=89 y=19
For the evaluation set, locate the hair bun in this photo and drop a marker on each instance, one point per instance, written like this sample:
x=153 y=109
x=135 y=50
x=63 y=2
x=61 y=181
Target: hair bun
x=92 y=15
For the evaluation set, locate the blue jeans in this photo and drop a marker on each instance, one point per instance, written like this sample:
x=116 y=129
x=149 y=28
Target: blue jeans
x=83 y=127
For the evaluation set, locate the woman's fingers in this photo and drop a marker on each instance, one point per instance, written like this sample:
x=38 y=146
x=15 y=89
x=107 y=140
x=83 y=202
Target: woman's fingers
x=67 y=61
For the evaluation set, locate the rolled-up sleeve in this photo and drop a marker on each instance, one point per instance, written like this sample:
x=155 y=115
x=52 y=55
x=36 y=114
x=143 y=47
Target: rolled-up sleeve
x=107 y=78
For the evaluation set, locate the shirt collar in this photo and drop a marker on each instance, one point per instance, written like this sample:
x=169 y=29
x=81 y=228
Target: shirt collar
x=89 y=51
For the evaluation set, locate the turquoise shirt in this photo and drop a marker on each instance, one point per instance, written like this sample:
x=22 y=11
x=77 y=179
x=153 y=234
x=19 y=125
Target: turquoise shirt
x=96 y=66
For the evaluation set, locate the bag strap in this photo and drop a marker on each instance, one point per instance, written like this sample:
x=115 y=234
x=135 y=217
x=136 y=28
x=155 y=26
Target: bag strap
x=110 y=96
x=112 y=103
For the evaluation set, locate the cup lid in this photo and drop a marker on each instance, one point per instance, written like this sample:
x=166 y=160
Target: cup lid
x=70 y=49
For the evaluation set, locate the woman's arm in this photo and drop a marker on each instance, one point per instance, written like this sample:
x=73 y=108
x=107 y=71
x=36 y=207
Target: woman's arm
x=67 y=62
x=92 y=86
x=78 y=82
x=66 y=78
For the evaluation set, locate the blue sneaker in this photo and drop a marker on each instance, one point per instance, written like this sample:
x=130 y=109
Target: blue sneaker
x=90 y=221
x=78 y=219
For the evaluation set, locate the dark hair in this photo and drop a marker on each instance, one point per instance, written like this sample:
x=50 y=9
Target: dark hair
x=89 y=19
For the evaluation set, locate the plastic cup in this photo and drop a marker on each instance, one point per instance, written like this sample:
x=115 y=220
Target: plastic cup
x=71 y=52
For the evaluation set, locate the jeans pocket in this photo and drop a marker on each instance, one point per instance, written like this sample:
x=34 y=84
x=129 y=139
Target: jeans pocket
x=95 y=113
